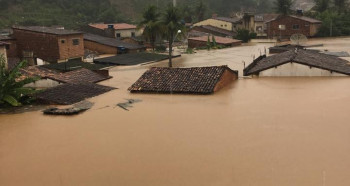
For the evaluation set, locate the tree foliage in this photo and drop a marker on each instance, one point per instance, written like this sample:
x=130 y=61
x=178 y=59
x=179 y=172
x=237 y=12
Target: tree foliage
x=150 y=24
x=283 y=6
x=12 y=91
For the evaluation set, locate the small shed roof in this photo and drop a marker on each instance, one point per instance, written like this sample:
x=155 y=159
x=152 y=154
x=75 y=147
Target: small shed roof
x=132 y=58
x=196 y=80
x=47 y=30
x=304 y=57
x=111 y=41
x=68 y=94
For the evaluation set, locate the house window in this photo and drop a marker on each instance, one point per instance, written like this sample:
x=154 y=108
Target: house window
x=222 y=25
x=75 y=41
x=132 y=34
x=225 y=25
x=295 y=27
x=63 y=41
x=118 y=35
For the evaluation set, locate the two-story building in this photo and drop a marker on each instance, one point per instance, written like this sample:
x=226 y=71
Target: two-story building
x=49 y=44
x=285 y=26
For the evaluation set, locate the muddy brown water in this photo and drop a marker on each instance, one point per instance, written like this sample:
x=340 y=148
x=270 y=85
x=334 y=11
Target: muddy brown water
x=266 y=131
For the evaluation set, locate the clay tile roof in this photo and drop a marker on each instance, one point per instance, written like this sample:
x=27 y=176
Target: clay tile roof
x=47 y=30
x=219 y=40
x=111 y=42
x=117 y=26
x=76 y=76
x=196 y=80
x=68 y=94
x=304 y=57
x=228 y=19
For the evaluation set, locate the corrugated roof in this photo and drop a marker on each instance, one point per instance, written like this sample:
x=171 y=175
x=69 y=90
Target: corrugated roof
x=228 y=19
x=305 y=57
x=117 y=26
x=111 y=41
x=218 y=39
x=196 y=80
x=47 y=30
x=132 y=58
x=218 y=30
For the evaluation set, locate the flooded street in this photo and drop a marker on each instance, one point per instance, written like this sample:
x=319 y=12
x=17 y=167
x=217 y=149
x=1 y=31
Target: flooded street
x=264 y=131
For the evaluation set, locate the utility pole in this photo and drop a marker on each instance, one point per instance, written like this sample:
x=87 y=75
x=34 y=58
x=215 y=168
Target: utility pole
x=331 y=29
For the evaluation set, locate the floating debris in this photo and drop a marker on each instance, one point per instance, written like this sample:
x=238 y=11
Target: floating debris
x=128 y=104
x=76 y=109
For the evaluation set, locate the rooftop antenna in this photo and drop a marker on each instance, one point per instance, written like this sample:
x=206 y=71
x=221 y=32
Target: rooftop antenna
x=298 y=39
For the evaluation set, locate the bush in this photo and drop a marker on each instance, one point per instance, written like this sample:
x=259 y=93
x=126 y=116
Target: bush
x=244 y=35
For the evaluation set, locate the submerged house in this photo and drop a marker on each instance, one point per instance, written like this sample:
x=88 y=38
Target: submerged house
x=298 y=62
x=196 y=80
x=225 y=23
x=200 y=42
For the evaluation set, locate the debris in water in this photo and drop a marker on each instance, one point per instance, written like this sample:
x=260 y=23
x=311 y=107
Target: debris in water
x=128 y=104
x=76 y=109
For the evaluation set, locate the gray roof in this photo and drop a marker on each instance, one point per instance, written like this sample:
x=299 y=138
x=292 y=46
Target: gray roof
x=113 y=42
x=47 y=30
x=304 y=57
x=218 y=30
x=304 y=18
x=132 y=58
x=228 y=19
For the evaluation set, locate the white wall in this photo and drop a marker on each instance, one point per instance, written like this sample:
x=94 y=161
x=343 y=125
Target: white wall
x=127 y=32
x=295 y=69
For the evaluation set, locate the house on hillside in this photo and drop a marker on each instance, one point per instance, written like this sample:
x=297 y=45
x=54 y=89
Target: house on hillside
x=107 y=45
x=298 y=62
x=285 y=26
x=196 y=80
x=12 y=46
x=226 y=23
x=49 y=44
x=115 y=30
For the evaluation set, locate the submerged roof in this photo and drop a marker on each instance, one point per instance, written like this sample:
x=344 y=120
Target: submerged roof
x=68 y=94
x=132 y=58
x=304 y=57
x=216 y=29
x=218 y=39
x=111 y=42
x=47 y=30
x=117 y=26
x=77 y=76
x=196 y=80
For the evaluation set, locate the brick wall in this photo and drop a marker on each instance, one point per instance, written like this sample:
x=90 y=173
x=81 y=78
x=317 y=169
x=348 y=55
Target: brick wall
x=67 y=49
x=48 y=46
x=304 y=27
x=102 y=49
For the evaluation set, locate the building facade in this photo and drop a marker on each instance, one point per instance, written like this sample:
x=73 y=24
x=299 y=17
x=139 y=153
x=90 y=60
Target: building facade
x=229 y=24
x=49 y=44
x=118 y=30
x=285 y=26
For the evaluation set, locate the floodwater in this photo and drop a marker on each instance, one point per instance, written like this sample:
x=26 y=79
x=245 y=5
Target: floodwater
x=264 y=131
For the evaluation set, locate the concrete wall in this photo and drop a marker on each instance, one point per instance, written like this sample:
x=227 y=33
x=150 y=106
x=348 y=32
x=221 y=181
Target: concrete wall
x=217 y=23
x=295 y=69
x=128 y=33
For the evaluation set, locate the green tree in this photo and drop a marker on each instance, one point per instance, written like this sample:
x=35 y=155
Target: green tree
x=171 y=24
x=322 y=5
x=200 y=11
x=340 y=5
x=283 y=6
x=150 y=24
x=12 y=91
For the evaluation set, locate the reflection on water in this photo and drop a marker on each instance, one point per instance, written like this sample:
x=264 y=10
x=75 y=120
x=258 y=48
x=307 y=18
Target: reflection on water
x=266 y=131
